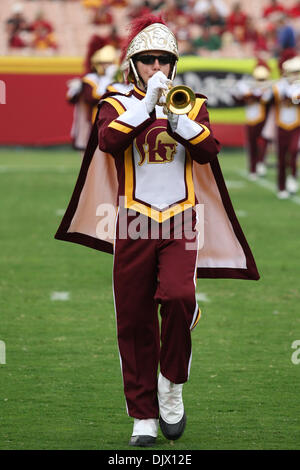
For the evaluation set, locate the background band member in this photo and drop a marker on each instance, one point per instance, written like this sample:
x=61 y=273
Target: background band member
x=254 y=95
x=287 y=113
x=86 y=92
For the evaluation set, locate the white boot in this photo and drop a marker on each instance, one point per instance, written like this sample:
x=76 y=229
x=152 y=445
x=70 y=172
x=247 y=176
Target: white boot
x=144 y=432
x=172 y=416
x=252 y=176
x=283 y=194
x=261 y=169
x=291 y=184
x=145 y=427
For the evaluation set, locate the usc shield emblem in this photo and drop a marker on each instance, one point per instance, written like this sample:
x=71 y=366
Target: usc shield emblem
x=155 y=146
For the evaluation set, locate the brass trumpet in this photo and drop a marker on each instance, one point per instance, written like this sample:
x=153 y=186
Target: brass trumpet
x=180 y=99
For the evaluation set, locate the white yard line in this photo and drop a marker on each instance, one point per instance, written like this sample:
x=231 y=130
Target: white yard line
x=263 y=183
x=235 y=184
x=64 y=296
x=241 y=213
x=202 y=297
x=60 y=212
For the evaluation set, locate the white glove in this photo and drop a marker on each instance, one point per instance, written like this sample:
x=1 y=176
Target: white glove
x=241 y=90
x=293 y=92
x=102 y=86
x=111 y=71
x=173 y=120
x=257 y=92
x=156 y=84
x=74 y=87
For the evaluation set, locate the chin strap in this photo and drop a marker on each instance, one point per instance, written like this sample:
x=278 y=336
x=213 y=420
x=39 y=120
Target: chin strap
x=173 y=73
x=138 y=79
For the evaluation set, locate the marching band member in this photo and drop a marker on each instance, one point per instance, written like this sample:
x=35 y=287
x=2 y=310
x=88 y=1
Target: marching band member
x=161 y=166
x=287 y=112
x=254 y=95
x=86 y=92
x=95 y=84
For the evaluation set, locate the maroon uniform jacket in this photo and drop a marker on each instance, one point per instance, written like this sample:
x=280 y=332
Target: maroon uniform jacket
x=115 y=159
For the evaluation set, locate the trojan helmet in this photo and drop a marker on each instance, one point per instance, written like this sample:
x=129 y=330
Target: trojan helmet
x=261 y=73
x=103 y=56
x=291 y=65
x=165 y=142
x=156 y=146
x=148 y=34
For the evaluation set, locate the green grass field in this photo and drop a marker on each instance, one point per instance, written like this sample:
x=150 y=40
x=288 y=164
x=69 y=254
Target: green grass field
x=61 y=385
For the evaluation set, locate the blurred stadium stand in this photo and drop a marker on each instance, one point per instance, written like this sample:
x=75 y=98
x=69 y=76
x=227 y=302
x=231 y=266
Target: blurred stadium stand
x=73 y=27
x=44 y=73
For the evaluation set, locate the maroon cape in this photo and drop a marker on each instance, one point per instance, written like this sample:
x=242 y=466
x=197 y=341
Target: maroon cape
x=224 y=251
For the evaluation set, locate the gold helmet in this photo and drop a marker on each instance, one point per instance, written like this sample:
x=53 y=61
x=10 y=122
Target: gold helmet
x=291 y=69
x=291 y=65
x=105 y=55
x=261 y=73
x=155 y=37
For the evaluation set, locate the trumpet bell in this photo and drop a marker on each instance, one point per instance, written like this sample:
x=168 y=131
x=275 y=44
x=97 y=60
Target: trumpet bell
x=180 y=99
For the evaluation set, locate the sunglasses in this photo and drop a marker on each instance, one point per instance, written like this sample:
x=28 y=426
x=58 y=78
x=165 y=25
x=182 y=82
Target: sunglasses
x=150 y=59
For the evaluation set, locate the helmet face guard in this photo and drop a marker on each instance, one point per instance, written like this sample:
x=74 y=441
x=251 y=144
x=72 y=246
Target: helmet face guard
x=156 y=37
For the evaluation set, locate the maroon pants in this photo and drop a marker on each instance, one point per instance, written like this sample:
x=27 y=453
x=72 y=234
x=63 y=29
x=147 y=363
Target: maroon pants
x=257 y=145
x=149 y=272
x=287 y=152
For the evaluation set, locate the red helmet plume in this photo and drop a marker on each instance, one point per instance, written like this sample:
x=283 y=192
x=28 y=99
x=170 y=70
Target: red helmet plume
x=95 y=43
